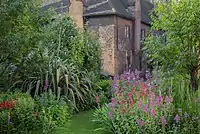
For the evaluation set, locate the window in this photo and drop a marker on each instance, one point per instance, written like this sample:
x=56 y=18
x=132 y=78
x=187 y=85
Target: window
x=143 y=35
x=127 y=32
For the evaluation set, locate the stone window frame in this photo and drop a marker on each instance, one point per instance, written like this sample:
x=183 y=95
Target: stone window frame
x=127 y=32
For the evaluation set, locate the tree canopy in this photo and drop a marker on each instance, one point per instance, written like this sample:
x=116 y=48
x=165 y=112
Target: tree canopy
x=179 y=21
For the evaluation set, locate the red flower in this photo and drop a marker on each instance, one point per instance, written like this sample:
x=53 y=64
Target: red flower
x=129 y=95
x=130 y=101
x=7 y=104
x=2 y=105
x=118 y=102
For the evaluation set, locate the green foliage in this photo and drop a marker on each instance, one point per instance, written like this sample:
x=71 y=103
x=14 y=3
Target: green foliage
x=21 y=118
x=180 y=23
x=100 y=117
x=30 y=116
x=103 y=91
x=104 y=85
x=176 y=60
x=56 y=109
x=39 y=54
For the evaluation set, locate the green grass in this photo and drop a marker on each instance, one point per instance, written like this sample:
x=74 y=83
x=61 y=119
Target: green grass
x=81 y=124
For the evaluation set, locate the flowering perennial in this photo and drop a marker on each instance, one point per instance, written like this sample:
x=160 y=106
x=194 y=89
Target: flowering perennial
x=132 y=96
x=7 y=104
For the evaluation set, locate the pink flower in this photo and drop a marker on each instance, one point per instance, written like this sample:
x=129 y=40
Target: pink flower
x=151 y=103
x=129 y=95
x=152 y=95
x=111 y=105
x=140 y=122
x=110 y=114
x=167 y=99
x=140 y=104
x=113 y=100
x=163 y=121
x=153 y=113
x=146 y=109
x=46 y=84
x=177 y=118
x=97 y=99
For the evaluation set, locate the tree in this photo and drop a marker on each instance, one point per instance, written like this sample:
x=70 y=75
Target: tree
x=180 y=53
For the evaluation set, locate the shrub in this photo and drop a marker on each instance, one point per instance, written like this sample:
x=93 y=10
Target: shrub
x=22 y=114
x=104 y=85
x=56 y=109
x=20 y=118
x=103 y=91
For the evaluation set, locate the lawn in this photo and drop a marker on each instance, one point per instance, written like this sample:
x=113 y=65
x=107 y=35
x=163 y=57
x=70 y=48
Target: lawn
x=81 y=124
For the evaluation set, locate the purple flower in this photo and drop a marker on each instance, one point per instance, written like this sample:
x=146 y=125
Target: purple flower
x=111 y=105
x=153 y=113
x=146 y=109
x=177 y=118
x=110 y=114
x=115 y=84
x=116 y=91
x=113 y=101
x=163 y=121
x=115 y=78
x=158 y=100
x=140 y=104
x=46 y=84
x=151 y=103
x=152 y=95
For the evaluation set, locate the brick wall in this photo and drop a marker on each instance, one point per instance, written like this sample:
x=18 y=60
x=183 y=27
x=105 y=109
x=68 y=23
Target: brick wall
x=124 y=57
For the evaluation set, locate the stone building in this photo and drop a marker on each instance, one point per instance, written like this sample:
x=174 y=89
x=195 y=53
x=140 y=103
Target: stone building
x=121 y=26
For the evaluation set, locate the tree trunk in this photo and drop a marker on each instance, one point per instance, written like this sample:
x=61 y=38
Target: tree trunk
x=194 y=79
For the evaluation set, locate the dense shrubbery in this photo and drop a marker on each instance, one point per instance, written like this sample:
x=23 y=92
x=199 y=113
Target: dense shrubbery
x=39 y=53
x=20 y=113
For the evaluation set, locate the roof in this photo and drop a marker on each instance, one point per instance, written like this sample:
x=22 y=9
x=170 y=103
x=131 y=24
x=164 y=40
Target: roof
x=105 y=7
x=60 y=6
x=118 y=7
x=121 y=8
x=146 y=8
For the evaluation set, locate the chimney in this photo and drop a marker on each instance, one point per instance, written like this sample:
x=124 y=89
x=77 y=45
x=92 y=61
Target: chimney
x=137 y=13
x=131 y=6
x=76 y=12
